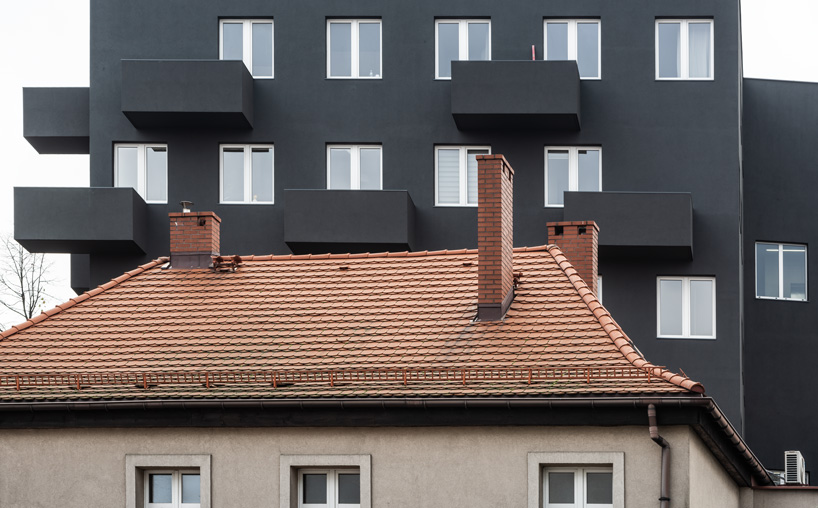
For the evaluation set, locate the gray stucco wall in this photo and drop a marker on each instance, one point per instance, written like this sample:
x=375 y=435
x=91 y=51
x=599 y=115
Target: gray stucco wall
x=710 y=485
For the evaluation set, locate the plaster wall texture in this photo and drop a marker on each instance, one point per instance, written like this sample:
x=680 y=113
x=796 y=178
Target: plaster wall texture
x=710 y=485
x=782 y=498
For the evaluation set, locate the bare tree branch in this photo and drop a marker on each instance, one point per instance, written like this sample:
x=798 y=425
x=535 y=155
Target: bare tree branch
x=24 y=279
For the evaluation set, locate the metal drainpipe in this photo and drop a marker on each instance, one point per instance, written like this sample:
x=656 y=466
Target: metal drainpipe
x=664 y=497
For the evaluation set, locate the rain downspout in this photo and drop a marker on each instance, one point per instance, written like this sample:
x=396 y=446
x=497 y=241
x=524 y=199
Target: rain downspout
x=664 y=497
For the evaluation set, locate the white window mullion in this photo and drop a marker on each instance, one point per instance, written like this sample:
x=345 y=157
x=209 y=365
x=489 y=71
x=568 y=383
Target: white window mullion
x=573 y=169
x=781 y=270
x=247 y=50
x=685 y=51
x=141 y=171
x=354 y=49
x=463 y=36
x=572 y=40
x=686 y=307
x=355 y=168
x=248 y=174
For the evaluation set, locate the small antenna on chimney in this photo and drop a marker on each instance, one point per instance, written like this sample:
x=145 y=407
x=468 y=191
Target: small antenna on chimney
x=186 y=206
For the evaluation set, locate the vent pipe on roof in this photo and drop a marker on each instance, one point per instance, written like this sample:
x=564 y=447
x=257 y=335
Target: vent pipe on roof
x=194 y=239
x=579 y=241
x=495 y=241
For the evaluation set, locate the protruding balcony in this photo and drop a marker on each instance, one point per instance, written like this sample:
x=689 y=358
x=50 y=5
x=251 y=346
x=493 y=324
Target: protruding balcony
x=516 y=95
x=80 y=220
x=187 y=93
x=56 y=120
x=339 y=221
x=637 y=224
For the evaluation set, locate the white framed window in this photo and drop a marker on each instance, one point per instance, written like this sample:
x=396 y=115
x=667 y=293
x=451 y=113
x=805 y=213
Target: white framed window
x=143 y=167
x=599 y=288
x=356 y=167
x=246 y=174
x=684 y=49
x=329 y=488
x=781 y=271
x=167 y=481
x=575 y=39
x=686 y=307
x=571 y=168
x=456 y=174
x=576 y=480
x=465 y=39
x=354 y=48
x=173 y=489
x=249 y=40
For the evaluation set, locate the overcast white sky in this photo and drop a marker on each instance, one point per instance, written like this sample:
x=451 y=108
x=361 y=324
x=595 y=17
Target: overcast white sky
x=47 y=45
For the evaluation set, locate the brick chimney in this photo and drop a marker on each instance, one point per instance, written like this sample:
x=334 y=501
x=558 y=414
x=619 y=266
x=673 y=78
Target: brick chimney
x=579 y=241
x=495 y=277
x=194 y=238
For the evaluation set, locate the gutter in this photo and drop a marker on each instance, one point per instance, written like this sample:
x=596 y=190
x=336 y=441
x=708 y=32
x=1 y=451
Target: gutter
x=664 y=496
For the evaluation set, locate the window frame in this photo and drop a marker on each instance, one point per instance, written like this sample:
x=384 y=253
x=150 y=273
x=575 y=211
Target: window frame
x=137 y=468
x=684 y=53
x=248 y=174
x=247 y=42
x=539 y=462
x=355 y=54
x=572 y=41
x=142 y=169
x=781 y=247
x=332 y=486
x=685 y=279
x=580 y=493
x=573 y=170
x=354 y=165
x=463 y=41
x=462 y=174
x=291 y=465
x=176 y=488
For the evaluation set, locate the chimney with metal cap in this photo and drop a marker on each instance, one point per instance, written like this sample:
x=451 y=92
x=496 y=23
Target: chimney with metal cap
x=579 y=241
x=194 y=237
x=495 y=242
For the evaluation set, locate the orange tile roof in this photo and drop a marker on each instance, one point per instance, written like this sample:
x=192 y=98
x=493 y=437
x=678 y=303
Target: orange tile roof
x=359 y=325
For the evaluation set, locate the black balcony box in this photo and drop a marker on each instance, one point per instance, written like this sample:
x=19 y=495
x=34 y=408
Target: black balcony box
x=56 y=120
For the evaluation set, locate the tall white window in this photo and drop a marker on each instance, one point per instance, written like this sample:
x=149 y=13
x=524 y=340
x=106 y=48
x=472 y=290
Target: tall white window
x=357 y=167
x=686 y=307
x=578 y=487
x=329 y=488
x=354 y=48
x=684 y=49
x=172 y=489
x=456 y=174
x=247 y=174
x=575 y=39
x=571 y=168
x=143 y=167
x=781 y=271
x=468 y=39
x=249 y=40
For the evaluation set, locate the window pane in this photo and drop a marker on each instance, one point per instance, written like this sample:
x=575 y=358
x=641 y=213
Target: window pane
x=157 y=173
x=767 y=270
x=448 y=176
x=561 y=487
x=701 y=307
x=232 y=41
x=795 y=274
x=370 y=168
x=669 y=50
x=127 y=174
x=340 y=168
x=471 y=175
x=599 y=488
x=588 y=170
x=315 y=488
x=349 y=488
x=557 y=41
x=340 y=51
x=557 y=176
x=588 y=49
x=670 y=307
x=191 y=488
x=262 y=49
x=478 y=41
x=369 y=47
x=262 y=177
x=699 y=49
x=160 y=488
x=448 y=47
x=233 y=174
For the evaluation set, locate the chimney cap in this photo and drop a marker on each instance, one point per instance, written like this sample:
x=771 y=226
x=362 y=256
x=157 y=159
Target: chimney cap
x=186 y=206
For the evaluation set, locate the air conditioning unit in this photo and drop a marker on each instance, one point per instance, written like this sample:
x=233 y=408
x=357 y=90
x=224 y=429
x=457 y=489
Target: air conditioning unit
x=795 y=470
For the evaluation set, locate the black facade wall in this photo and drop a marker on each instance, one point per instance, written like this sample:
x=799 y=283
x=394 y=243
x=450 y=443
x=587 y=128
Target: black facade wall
x=780 y=179
x=655 y=136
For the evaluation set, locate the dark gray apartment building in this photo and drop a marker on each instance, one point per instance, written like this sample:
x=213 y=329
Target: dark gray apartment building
x=325 y=126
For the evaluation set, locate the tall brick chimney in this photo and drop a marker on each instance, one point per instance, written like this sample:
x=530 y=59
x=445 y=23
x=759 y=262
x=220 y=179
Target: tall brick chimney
x=579 y=241
x=495 y=224
x=194 y=238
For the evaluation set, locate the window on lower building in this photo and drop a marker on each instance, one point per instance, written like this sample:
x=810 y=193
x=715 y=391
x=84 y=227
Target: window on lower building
x=247 y=174
x=356 y=167
x=143 y=167
x=574 y=39
x=686 y=307
x=456 y=174
x=329 y=488
x=578 y=487
x=354 y=48
x=467 y=39
x=249 y=40
x=167 y=481
x=571 y=168
x=684 y=49
x=173 y=489
x=781 y=271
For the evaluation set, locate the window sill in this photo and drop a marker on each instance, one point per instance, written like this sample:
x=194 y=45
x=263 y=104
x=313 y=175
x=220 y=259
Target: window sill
x=254 y=203
x=438 y=205
x=683 y=337
x=770 y=298
x=685 y=79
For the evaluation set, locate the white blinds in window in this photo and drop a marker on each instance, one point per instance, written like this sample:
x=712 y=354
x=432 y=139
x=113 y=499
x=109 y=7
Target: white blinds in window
x=448 y=172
